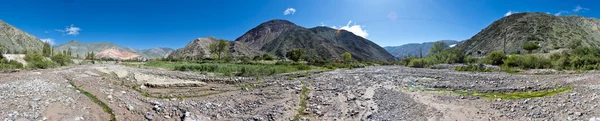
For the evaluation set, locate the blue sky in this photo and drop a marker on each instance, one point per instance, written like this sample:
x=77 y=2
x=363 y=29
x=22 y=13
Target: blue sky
x=146 y=24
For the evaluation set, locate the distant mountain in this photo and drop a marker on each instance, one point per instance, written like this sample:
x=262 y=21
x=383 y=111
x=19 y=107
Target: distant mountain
x=78 y=48
x=196 y=49
x=115 y=54
x=415 y=48
x=358 y=46
x=548 y=31
x=13 y=39
x=276 y=37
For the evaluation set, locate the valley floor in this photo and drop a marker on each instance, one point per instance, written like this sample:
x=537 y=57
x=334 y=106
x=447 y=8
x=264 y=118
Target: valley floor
x=100 y=92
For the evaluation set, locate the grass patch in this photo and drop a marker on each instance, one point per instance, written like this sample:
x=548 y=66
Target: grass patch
x=515 y=95
x=230 y=69
x=95 y=99
x=303 y=103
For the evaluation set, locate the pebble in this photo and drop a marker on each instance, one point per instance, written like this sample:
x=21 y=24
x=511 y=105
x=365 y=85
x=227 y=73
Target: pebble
x=36 y=99
x=148 y=116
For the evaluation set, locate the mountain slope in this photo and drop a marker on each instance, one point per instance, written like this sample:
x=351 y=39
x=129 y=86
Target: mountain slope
x=78 y=48
x=196 y=49
x=414 y=48
x=14 y=39
x=117 y=55
x=278 y=36
x=358 y=46
x=545 y=29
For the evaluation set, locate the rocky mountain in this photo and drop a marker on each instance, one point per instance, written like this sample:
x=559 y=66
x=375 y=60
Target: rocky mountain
x=278 y=36
x=358 y=46
x=81 y=49
x=549 y=31
x=115 y=54
x=415 y=48
x=14 y=39
x=196 y=49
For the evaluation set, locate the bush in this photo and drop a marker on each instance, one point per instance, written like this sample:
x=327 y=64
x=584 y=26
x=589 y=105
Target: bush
x=530 y=47
x=406 y=59
x=418 y=63
x=268 y=57
x=36 y=60
x=473 y=68
x=470 y=59
x=527 y=62
x=495 y=58
x=257 y=58
x=555 y=47
x=61 y=59
x=296 y=54
x=447 y=56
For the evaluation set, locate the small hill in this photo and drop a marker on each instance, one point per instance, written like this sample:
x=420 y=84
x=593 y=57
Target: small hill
x=359 y=47
x=549 y=31
x=115 y=54
x=78 y=48
x=13 y=39
x=414 y=48
x=196 y=49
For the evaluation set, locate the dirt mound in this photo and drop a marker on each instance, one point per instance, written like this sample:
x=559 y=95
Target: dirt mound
x=118 y=55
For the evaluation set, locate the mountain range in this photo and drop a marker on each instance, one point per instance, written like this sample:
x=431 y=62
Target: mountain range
x=415 y=49
x=550 y=32
x=276 y=37
x=78 y=48
x=13 y=39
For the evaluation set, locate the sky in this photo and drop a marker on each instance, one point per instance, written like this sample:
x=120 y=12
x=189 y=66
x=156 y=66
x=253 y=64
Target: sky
x=145 y=24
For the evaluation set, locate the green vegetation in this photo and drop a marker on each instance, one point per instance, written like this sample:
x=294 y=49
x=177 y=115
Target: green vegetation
x=95 y=99
x=219 y=48
x=303 y=103
x=296 y=54
x=495 y=58
x=347 y=57
x=6 y=64
x=231 y=69
x=62 y=59
x=437 y=47
x=530 y=47
x=36 y=60
x=473 y=68
x=513 y=95
x=47 y=50
x=418 y=63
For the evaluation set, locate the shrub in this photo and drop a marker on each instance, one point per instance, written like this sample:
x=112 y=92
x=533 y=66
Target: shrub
x=473 y=68
x=36 y=60
x=448 y=56
x=267 y=57
x=530 y=47
x=61 y=59
x=495 y=58
x=470 y=59
x=257 y=58
x=406 y=59
x=555 y=47
x=296 y=54
x=418 y=63
x=527 y=62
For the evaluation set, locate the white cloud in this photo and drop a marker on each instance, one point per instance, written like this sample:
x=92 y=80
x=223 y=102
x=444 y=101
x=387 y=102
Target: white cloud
x=560 y=13
x=579 y=8
x=70 y=30
x=48 y=40
x=510 y=13
x=322 y=24
x=356 y=29
x=289 y=11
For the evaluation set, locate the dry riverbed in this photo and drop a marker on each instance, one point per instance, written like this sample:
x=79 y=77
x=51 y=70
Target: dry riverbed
x=103 y=92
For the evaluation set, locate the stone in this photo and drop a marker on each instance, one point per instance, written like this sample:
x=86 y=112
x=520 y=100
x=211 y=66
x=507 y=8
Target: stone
x=148 y=116
x=36 y=99
x=577 y=113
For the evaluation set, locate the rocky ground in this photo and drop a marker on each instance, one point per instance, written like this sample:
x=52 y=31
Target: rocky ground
x=371 y=93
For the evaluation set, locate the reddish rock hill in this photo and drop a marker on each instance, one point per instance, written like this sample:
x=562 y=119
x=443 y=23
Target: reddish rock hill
x=118 y=55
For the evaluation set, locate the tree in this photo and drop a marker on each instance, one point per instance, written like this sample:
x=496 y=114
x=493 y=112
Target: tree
x=61 y=59
x=437 y=47
x=495 y=58
x=219 y=48
x=69 y=52
x=530 y=47
x=267 y=57
x=347 y=57
x=295 y=54
x=46 y=50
